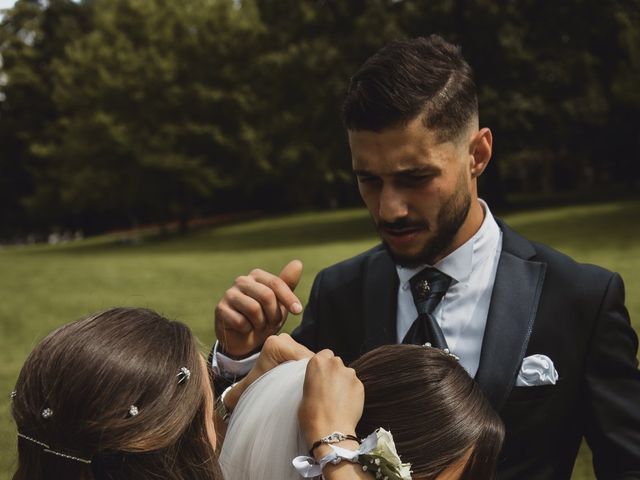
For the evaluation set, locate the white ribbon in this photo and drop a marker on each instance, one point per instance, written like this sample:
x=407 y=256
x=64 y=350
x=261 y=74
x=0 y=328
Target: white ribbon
x=307 y=466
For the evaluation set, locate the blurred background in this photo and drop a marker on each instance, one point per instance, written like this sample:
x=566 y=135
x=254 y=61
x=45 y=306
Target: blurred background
x=153 y=150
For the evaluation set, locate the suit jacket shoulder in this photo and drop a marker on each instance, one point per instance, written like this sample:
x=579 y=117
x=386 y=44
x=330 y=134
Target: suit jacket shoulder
x=559 y=265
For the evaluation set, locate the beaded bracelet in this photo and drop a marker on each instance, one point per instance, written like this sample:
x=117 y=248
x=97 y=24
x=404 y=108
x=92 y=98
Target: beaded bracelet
x=334 y=437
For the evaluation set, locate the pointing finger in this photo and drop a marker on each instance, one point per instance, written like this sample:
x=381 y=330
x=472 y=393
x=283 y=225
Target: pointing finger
x=283 y=291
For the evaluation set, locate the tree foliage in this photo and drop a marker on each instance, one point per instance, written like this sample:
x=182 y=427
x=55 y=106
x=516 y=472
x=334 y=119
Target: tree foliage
x=114 y=112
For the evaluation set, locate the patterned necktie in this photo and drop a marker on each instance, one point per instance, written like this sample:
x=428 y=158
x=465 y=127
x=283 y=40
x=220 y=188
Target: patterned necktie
x=428 y=287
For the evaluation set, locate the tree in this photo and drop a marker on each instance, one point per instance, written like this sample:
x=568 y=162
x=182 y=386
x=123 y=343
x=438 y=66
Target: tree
x=149 y=110
x=31 y=37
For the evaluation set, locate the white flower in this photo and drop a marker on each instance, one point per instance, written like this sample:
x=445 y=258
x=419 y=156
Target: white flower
x=386 y=449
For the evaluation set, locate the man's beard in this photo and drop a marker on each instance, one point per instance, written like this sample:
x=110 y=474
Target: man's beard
x=450 y=218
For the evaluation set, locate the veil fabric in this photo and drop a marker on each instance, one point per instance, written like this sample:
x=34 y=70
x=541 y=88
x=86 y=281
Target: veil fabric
x=263 y=435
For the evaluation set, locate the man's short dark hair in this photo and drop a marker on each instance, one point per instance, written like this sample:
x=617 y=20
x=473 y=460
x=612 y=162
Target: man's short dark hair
x=407 y=78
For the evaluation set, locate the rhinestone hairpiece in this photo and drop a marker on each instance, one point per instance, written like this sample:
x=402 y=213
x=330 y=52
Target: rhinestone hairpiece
x=183 y=374
x=69 y=457
x=33 y=440
x=14 y=394
x=444 y=350
x=133 y=410
x=47 y=448
x=47 y=413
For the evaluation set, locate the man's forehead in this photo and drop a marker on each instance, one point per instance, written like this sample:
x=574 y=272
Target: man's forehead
x=393 y=151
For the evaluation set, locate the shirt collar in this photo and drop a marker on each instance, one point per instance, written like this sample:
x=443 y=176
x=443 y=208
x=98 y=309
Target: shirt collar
x=460 y=263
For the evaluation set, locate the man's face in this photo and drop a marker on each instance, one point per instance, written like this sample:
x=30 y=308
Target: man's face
x=417 y=190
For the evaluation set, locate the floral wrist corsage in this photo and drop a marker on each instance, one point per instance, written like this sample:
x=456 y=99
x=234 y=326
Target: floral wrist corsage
x=377 y=454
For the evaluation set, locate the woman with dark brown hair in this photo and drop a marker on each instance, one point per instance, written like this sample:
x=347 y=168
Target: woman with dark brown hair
x=123 y=394
x=437 y=414
x=440 y=421
x=116 y=395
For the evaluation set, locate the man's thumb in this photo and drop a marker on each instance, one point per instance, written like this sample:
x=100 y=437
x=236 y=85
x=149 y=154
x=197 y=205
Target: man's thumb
x=291 y=273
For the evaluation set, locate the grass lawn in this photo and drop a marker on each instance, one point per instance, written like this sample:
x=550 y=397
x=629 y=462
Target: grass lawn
x=43 y=286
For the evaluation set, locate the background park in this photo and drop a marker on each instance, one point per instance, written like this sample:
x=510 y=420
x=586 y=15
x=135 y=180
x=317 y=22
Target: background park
x=153 y=150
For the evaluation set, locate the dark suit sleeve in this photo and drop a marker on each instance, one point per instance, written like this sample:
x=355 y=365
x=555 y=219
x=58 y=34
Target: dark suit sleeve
x=307 y=332
x=613 y=389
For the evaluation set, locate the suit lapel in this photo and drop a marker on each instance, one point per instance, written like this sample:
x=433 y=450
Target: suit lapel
x=379 y=297
x=514 y=303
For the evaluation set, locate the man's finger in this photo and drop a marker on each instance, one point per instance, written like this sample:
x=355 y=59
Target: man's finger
x=283 y=291
x=229 y=319
x=291 y=273
x=247 y=307
x=266 y=297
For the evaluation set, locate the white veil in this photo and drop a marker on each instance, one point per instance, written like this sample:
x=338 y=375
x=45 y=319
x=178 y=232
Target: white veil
x=263 y=434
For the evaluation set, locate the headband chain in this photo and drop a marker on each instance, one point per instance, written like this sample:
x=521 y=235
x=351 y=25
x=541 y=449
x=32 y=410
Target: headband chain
x=47 y=448
x=70 y=457
x=33 y=440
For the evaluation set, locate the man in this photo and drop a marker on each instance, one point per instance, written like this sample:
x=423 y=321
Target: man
x=548 y=340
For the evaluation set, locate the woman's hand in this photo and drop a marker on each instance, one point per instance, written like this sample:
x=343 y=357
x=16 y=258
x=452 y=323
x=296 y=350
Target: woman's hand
x=277 y=349
x=332 y=401
x=333 y=398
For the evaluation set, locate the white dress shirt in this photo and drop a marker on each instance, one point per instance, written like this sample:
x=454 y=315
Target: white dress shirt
x=462 y=312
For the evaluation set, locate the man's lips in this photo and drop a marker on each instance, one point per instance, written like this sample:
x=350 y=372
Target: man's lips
x=401 y=232
x=401 y=238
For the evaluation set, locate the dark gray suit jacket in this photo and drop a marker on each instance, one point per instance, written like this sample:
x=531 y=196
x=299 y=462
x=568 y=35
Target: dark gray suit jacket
x=543 y=302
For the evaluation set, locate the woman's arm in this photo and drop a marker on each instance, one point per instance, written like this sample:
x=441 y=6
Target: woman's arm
x=332 y=401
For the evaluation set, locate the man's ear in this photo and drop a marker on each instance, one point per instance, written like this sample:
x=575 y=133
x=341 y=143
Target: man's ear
x=480 y=151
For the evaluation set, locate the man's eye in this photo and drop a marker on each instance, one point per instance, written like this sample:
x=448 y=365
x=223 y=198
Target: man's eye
x=413 y=179
x=367 y=179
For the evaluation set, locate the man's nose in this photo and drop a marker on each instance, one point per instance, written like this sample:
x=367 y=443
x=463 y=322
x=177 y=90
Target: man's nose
x=392 y=205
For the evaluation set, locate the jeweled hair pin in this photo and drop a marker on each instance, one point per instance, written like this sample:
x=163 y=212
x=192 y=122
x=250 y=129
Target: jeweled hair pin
x=445 y=350
x=184 y=374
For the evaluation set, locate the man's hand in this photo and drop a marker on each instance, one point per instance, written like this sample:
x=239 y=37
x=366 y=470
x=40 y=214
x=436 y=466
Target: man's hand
x=333 y=398
x=277 y=349
x=255 y=307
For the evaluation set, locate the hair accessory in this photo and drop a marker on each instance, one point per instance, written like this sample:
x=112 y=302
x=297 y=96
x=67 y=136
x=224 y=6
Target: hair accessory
x=69 y=457
x=376 y=454
x=133 y=410
x=46 y=448
x=184 y=374
x=14 y=394
x=47 y=413
x=445 y=350
x=33 y=440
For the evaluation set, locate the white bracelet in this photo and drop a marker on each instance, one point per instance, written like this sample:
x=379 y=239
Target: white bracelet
x=307 y=467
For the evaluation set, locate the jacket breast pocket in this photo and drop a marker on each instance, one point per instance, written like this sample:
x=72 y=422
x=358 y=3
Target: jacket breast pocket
x=535 y=411
x=537 y=393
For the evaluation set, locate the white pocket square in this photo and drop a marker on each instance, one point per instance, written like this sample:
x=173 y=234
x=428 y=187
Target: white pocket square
x=537 y=370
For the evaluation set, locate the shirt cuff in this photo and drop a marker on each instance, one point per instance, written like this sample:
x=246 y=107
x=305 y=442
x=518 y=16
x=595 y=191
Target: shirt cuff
x=229 y=368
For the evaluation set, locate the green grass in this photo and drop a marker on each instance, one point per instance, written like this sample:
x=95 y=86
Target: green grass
x=43 y=287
